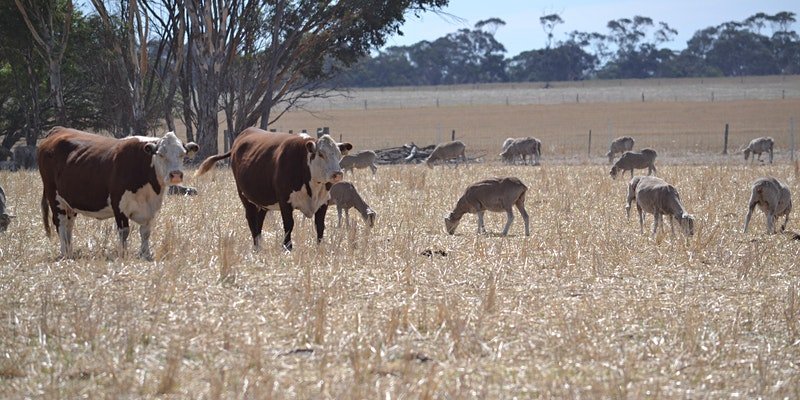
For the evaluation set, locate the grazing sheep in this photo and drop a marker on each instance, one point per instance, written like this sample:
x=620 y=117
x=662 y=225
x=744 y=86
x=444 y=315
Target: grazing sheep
x=631 y=160
x=758 y=146
x=496 y=194
x=9 y=165
x=361 y=159
x=773 y=198
x=526 y=146
x=619 y=145
x=181 y=190
x=5 y=219
x=655 y=196
x=25 y=156
x=446 y=151
x=345 y=196
x=507 y=143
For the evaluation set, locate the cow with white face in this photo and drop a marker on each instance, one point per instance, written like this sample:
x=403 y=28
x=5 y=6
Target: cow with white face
x=282 y=171
x=102 y=177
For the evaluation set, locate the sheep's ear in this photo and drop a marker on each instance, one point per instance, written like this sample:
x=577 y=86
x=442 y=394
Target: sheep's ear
x=345 y=147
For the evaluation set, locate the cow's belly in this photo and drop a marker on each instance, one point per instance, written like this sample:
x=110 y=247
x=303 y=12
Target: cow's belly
x=141 y=205
x=308 y=205
x=76 y=206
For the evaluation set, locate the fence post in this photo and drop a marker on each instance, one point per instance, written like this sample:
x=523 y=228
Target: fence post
x=453 y=135
x=725 y=142
x=589 y=152
x=791 y=135
x=365 y=104
x=642 y=97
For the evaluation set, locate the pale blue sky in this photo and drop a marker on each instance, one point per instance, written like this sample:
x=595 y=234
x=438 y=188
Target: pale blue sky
x=523 y=31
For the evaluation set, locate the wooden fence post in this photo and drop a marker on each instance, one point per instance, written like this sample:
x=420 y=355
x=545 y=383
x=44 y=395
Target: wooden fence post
x=791 y=135
x=725 y=142
x=453 y=135
x=589 y=152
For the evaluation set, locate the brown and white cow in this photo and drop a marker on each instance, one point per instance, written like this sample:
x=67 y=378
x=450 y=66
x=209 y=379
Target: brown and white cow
x=103 y=177
x=281 y=171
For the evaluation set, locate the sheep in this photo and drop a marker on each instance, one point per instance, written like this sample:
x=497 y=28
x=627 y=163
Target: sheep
x=181 y=190
x=345 y=196
x=5 y=218
x=758 y=146
x=522 y=147
x=495 y=194
x=773 y=198
x=446 y=151
x=631 y=160
x=361 y=159
x=619 y=145
x=655 y=196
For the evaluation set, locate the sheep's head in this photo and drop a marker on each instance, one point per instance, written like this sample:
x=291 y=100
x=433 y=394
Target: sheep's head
x=610 y=156
x=5 y=219
x=451 y=223
x=614 y=172
x=369 y=218
x=746 y=154
x=686 y=221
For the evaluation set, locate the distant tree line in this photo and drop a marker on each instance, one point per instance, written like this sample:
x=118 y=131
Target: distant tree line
x=631 y=48
x=126 y=67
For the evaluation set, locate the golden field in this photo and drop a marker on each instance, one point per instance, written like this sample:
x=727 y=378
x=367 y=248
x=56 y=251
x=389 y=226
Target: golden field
x=585 y=307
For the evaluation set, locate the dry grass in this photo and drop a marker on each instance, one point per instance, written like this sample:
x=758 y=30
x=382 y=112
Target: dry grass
x=585 y=307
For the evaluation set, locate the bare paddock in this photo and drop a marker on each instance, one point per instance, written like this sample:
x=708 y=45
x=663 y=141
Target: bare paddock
x=584 y=307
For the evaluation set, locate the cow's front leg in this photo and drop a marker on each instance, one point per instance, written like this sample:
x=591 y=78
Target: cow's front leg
x=144 y=233
x=123 y=229
x=65 y=222
x=288 y=224
x=319 y=221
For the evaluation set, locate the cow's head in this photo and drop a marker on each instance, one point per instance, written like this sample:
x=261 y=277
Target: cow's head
x=168 y=153
x=324 y=157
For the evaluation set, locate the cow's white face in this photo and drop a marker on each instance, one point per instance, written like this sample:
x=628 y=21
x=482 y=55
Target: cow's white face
x=168 y=153
x=324 y=157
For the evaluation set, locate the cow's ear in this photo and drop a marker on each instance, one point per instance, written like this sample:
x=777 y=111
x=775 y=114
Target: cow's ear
x=191 y=149
x=311 y=146
x=151 y=148
x=345 y=147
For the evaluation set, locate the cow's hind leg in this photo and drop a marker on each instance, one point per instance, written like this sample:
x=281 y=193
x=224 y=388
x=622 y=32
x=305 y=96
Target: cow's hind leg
x=255 y=220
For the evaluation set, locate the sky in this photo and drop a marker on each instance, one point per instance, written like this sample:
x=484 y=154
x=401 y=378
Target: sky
x=523 y=32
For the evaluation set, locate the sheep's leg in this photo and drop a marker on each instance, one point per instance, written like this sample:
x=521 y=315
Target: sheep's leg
x=656 y=220
x=770 y=155
x=521 y=207
x=510 y=215
x=671 y=225
x=785 y=222
x=749 y=214
x=641 y=218
x=770 y=223
x=481 y=228
x=339 y=211
x=373 y=168
x=347 y=217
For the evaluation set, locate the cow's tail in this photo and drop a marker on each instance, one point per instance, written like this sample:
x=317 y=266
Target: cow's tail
x=46 y=215
x=209 y=162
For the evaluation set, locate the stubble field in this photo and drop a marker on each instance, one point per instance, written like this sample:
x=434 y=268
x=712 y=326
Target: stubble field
x=585 y=307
